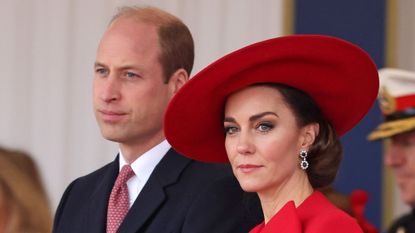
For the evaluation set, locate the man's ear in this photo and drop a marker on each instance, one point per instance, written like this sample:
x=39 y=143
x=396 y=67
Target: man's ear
x=309 y=134
x=177 y=80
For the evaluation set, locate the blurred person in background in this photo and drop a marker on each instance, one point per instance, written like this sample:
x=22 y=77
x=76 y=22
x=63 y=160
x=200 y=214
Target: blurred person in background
x=23 y=201
x=397 y=103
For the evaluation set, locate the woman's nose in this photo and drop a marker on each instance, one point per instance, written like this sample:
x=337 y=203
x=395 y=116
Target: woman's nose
x=245 y=144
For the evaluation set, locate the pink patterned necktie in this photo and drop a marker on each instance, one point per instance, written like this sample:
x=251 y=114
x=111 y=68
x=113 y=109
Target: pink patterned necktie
x=119 y=201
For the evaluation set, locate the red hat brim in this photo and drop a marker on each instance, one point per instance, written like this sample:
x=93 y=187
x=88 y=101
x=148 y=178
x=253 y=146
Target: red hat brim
x=340 y=77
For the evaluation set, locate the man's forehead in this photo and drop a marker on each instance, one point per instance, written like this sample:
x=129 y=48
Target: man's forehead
x=404 y=136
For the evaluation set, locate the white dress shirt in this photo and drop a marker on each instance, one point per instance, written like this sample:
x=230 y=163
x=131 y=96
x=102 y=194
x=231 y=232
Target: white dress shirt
x=143 y=166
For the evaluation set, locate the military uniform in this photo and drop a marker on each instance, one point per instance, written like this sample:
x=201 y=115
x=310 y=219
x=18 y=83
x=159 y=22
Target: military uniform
x=397 y=103
x=405 y=224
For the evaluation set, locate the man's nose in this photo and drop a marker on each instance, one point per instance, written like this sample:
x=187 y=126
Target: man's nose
x=394 y=157
x=110 y=89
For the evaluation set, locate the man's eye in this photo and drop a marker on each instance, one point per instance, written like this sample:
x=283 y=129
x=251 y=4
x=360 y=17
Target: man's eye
x=130 y=75
x=101 y=71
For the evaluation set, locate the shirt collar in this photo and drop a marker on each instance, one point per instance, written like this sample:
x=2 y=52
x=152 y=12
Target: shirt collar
x=145 y=164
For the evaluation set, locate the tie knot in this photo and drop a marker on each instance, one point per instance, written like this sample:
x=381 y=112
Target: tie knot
x=125 y=174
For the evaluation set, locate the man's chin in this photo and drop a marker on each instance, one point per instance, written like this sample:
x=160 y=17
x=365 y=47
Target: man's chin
x=112 y=139
x=408 y=198
x=111 y=136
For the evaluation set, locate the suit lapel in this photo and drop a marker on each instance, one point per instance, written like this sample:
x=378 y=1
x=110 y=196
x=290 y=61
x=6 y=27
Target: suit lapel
x=153 y=195
x=97 y=210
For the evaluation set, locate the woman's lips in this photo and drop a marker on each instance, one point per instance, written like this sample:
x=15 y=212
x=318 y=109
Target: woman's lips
x=248 y=168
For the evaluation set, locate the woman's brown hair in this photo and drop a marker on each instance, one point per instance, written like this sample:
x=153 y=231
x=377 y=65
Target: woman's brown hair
x=325 y=154
x=23 y=200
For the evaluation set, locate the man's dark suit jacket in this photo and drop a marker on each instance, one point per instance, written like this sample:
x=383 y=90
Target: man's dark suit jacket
x=181 y=195
x=404 y=224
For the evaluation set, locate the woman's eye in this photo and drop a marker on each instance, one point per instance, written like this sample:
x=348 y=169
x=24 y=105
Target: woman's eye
x=230 y=130
x=265 y=127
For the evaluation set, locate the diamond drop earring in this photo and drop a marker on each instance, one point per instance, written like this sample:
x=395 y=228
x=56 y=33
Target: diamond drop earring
x=303 y=163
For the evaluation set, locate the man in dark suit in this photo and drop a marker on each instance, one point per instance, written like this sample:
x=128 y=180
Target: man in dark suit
x=143 y=59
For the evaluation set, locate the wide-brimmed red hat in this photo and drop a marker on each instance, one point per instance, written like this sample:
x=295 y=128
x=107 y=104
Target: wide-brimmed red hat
x=338 y=75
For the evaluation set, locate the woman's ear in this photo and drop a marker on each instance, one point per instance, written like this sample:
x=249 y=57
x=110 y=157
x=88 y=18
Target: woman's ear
x=309 y=134
x=177 y=80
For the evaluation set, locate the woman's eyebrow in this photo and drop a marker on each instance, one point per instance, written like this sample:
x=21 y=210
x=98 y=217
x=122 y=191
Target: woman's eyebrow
x=260 y=115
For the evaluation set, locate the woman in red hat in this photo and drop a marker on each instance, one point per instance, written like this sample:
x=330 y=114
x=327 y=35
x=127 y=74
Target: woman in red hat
x=275 y=110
